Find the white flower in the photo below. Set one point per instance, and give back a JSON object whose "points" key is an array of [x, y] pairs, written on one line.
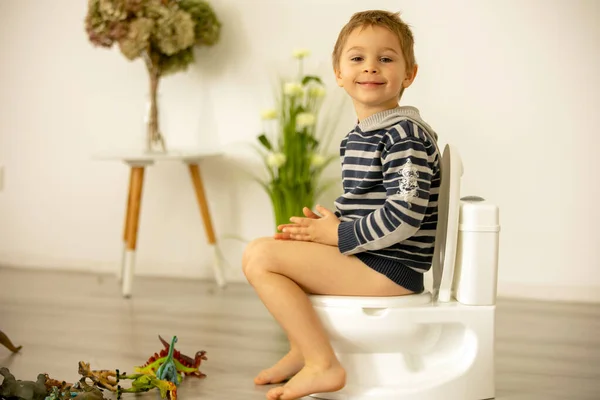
{"points": [[276, 160], [267, 114], [317, 160], [293, 89], [301, 53], [305, 119], [316, 91]]}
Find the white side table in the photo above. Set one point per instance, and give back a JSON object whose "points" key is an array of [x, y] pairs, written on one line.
{"points": [[137, 163]]}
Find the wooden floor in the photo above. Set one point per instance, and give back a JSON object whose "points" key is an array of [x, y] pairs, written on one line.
{"points": [[546, 351]]}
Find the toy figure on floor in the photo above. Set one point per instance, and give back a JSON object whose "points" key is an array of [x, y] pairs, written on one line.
{"points": [[7, 343], [45, 388], [163, 371], [79, 391], [144, 382], [13, 389], [111, 379], [167, 370], [183, 363]]}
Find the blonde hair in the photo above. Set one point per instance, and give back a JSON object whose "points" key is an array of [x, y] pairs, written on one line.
{"points": [[384, 19]]}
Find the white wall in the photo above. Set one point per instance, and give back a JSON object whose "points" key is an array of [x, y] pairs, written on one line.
{"points": [[514, 84]]}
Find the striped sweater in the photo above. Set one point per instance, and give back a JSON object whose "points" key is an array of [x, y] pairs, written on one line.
{"points": [[391, 179]]}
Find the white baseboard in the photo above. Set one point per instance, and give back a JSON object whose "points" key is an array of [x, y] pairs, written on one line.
{"points": [[580, 294], [103, 267], [584, 294]]}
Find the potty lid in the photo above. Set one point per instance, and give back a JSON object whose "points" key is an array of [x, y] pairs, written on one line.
{"points": [[447, 229]]}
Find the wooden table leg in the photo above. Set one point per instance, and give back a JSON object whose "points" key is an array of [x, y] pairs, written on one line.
{"points": [[137, 177], [208, 227], [126, 227]]}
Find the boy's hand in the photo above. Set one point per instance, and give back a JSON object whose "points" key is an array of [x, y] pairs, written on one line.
{"points": [[313, 228], [285, 235]]}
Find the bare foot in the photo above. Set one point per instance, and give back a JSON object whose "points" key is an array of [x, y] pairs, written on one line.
{"points": [[285, 368], [310, 380]]}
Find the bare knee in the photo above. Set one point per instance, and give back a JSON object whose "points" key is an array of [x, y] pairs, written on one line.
{"points": [[254, 249], [255, 259]]}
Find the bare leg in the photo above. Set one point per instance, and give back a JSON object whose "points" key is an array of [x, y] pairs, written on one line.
{"points": [[284, 369], [282, 273]]}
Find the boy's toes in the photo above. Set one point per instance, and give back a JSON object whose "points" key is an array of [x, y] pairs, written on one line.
{"points": [[262, 378], [275, 393]]}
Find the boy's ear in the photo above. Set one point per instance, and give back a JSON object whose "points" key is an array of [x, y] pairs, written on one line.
{"points": [[338, 76], [410, 76]]}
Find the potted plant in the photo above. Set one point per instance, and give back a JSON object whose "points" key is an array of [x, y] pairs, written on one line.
{"points": [[161, 32], [294, 145]]}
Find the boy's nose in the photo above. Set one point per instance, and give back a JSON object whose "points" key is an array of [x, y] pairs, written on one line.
{"points": [[370, 70]]}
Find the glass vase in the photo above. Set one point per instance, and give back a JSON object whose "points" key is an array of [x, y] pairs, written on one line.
{"points": [[154, 141]]}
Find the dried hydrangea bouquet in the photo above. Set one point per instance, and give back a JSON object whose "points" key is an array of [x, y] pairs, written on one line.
{"points": [[161, 32]]}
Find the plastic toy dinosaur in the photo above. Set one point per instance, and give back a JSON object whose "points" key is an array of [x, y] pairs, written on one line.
{"points": [[105, 379], [144, 383], [5, 341], [56, 394], [112, 380], [186, 360], [52, 383], [57, 390], [184, 364], [79, 391], [82, 391], [190, 363], [13, 389], [168, 370]]}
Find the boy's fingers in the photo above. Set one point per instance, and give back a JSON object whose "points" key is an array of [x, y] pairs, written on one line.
{"points": [[282, 236], [309, 213], [293, 229], [323, 210], [300, 221], [280, 227], [300, 236]]}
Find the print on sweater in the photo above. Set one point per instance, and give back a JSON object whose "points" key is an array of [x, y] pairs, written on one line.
{"points": [[408, 186]]}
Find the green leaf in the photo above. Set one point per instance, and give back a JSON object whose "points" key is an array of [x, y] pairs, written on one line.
{"points": [[263, 157], [263, 184], [309, 78], [312, 142], [265, 142]]}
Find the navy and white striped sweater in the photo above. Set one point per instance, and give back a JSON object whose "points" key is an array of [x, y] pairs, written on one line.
{"points": [[391, 179]]}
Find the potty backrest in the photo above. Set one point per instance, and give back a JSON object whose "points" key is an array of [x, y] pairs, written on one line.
{"points": [[446, 237]]}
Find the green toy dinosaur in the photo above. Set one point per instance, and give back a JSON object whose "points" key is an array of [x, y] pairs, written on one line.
{"points": [[168, 370], [144, 383], [152, 368], [184, 364], [168, 367]]}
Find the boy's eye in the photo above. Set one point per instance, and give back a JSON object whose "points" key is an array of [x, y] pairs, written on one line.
{"points": [[356, 58], [386, 59]]}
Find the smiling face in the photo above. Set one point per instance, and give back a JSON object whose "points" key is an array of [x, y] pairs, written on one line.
{"points": [[372, 70]]}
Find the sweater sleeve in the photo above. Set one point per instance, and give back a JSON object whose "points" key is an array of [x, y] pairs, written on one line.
{"points": [[407, 181], [343, 144]]}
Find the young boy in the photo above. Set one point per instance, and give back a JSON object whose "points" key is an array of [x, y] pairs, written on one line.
{"points": [[380, 239]]}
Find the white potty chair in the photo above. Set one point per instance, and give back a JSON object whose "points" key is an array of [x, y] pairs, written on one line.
{"points": [[437, 345]]}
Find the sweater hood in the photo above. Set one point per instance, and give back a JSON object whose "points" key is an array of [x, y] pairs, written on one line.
{"points": [[387, 118]]}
